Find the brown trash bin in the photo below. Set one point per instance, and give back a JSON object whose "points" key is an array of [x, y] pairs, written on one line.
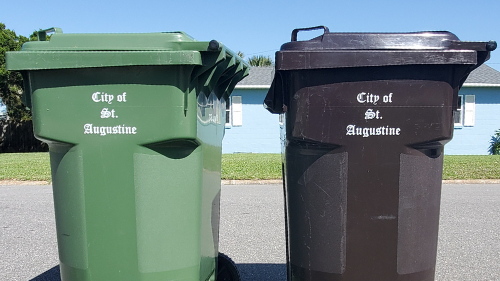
{"points": [[366, 118]]}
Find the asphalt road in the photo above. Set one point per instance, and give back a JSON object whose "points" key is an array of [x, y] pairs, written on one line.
{"points": [[252, 232]]}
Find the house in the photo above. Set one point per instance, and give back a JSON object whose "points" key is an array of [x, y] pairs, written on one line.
{"points": [[251, 128], [479, 115]]}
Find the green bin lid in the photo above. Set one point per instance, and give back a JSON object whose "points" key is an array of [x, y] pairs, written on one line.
{"points": [[112, 49]]}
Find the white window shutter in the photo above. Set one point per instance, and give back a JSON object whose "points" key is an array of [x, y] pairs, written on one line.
{"points": [[469, 110], [237, 109]]}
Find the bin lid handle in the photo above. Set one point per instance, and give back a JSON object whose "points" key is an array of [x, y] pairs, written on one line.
{"points": [[42, 34], [476, 46], [295, 31]]}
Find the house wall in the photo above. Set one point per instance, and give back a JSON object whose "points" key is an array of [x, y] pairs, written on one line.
{"points": [[475, 140], [259, 132]]}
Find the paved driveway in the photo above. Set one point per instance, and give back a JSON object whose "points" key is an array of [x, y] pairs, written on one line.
{"points": [[252, 232]]}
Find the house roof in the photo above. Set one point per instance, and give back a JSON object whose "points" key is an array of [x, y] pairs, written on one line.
{"points": [[261, 78], [483, 76], [258, 78]]}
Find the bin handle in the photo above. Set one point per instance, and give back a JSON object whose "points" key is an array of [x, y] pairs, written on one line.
{"points": [[476, 46], [295, 31], [42, 34], [491, 46]]}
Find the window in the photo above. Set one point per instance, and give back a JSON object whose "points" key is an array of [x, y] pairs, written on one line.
{"points": [[282, 119], [234, 107], [228, 112], [469, 110], [465, 115], [458, 114], [236, 110]]}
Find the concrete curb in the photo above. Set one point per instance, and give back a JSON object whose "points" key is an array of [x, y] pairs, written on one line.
{"points": [[492, 181], [18, 182], [255, 182]]}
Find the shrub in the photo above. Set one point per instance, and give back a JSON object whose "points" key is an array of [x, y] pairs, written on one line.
{"points": [[495, 143]]}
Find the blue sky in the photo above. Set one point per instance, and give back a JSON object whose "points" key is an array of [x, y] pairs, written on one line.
{"points": [[258, 27]]}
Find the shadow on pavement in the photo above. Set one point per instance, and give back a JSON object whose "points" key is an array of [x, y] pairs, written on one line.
{"points": [[49, 275], [262, 271], [248, 272]]}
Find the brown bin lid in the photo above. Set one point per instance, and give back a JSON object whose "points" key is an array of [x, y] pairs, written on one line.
{"points": [[334, 49], [350, 50]]}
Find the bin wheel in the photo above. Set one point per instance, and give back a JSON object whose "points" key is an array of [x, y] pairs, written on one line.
{"points": [[226, 269]]}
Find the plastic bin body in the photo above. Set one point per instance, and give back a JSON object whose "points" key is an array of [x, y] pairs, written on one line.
{"points": [[135, 152], [364, 134]]}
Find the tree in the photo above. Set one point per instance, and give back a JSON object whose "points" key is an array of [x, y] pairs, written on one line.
{"points": [[11, 83], [260, 61]]}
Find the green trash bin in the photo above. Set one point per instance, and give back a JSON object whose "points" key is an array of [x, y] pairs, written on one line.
{"points": [[135, 124]]}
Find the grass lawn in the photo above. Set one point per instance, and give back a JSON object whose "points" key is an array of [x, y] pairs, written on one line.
{"points": [[471, 167], [251, 166], [25, 166], [36, 167]]}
